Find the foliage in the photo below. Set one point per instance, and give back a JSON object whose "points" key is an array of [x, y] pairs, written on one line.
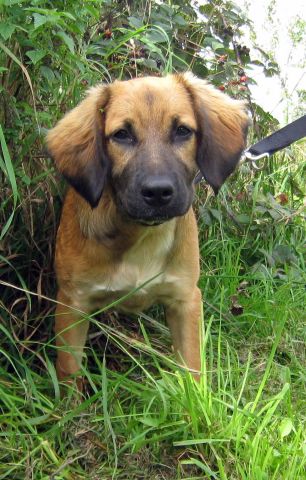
{"points": [[142, 418], [52, 51]]}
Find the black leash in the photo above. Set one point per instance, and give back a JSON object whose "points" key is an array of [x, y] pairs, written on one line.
{"points": [[277, 141], [273, 143]]}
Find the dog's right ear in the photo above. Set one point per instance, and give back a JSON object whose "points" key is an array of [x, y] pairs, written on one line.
{"points": [[77, 145]]}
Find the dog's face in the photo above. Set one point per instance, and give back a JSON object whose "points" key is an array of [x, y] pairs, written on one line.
{"points": [[150, 132], [146, 138]]}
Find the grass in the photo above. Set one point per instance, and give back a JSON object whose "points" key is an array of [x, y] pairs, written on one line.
{"points": [[141, 416]]}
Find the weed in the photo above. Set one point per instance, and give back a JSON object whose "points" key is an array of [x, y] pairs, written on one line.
{"points": [[141, 416]]}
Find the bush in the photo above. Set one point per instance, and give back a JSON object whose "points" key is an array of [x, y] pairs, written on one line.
{"points": [[245, 420]]}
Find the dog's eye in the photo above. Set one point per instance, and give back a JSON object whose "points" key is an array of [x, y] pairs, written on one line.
{"points": [[123, 136], [183, 132]]}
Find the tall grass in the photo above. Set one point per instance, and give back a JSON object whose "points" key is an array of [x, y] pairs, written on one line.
{"points": [[141, 416]]}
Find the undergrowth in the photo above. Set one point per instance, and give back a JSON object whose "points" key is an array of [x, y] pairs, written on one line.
{"points": [[141, 416]]}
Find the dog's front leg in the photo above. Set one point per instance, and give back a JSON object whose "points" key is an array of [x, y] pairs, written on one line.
{"points": [[71, 333], [184, 320]]}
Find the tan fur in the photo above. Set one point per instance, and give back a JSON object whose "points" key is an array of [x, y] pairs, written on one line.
{"points": [[77, 130], [100, 255]]}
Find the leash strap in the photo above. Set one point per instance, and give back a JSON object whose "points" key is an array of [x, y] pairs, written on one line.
{"points": [[273, 143], [280, 139]]}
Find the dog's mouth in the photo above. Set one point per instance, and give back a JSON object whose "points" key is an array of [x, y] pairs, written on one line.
{"points": [[148, 221], [152, 223], [146, 218]]}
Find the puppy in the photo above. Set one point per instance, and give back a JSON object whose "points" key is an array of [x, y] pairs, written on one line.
{"points": [[130, 152]]}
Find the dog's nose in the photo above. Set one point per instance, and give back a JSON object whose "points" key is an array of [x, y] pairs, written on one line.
{"points": [[157, 191]]}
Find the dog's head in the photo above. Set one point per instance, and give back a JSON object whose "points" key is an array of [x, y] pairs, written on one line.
{"points": [[146, 138]]}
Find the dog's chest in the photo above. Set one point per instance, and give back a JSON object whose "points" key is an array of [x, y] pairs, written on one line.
{"points": [[142, 271], [143, 263]]}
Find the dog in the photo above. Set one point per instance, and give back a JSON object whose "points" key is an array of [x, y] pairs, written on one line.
{"points": [[130, 152]]}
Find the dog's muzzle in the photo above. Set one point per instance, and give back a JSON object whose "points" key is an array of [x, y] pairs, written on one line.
{"points": [[157, 192], [153, 199]]}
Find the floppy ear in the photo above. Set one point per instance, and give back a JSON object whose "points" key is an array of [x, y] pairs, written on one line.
{"points": [[222, 128], [77, 145]]}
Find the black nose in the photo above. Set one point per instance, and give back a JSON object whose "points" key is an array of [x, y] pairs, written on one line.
{"points": [[157, 191]]}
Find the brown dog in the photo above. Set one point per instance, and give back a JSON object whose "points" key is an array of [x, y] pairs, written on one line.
{"points": [[131, 151]]}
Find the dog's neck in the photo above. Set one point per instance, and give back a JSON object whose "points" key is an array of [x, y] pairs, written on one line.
{"points": [[106, 225]]}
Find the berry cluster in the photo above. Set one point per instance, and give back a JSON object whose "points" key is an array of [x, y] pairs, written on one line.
{"points": [[240, 82]]}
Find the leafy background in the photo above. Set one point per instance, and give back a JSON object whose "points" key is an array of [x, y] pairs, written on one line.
{"points": [[140, 419]]}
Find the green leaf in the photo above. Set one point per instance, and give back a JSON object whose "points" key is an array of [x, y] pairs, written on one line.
{"points": [[206, 9], [260, 271], [259, 474], [166, 9], [216, 213], [9, 3], [257, 62], [135, 22], [268, 256], [153, 47], [39, 20], [275, 214], [15, 59], [208, 41], [202, 466], [150, 421], [7, 167], [179, 20], [283, 254], [94, 12], [200, 441], [26, 179], [51, 14], [243, 218], [216, 45], [156, 37], [36, 55], [67, 15], [205, 216], [261, 209], [285, 427], [229, 70], [47, 73], [67, 40], [147, 62], [6, 30]]}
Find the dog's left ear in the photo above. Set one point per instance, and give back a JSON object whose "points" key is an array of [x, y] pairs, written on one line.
{"points": [[76, 144], [222, 128]]}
